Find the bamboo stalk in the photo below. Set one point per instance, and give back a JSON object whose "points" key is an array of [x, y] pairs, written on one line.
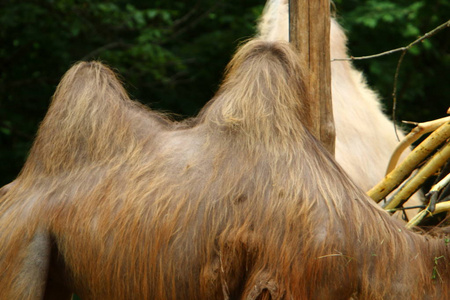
{"points": [[430, 168], [394, 178], [414, 135]]}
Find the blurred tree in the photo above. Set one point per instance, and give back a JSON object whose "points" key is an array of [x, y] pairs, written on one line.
{"points": [[172, 54]]}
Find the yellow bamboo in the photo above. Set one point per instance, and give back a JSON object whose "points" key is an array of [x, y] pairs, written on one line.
{"points": [[414, 135], [430, 168], [394, 178]]}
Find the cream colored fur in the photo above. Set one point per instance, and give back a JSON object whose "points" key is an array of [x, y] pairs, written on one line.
{"points": [[365, 137]]}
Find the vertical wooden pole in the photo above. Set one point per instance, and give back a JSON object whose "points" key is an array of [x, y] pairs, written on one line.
{"points": [[309, 32]]}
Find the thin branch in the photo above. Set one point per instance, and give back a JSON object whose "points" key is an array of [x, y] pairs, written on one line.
{"points": [[193, 23], [103, 48], [440, 207], [370, 56], [188, 15], [397, 70], [440, 185], [406, 48], [18, 132], [392, 210], [394, 93]]}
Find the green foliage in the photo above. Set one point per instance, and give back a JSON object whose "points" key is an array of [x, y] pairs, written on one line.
{"points": [[172, 54], [375, 26]]}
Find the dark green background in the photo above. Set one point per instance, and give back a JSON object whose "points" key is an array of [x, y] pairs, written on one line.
{"points": [[171, 54]]}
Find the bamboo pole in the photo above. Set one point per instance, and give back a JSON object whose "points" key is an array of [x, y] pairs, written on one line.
{"points": [[309, 33], [431, 167], [394, 178], [414, 135]]}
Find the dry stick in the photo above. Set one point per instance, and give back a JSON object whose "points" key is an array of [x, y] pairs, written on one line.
{"points": [[433, 194], [103, 48], [391, 181], [394, 178], [431, 167], [397, 70], [406, 48], [193, 22], [393, 210], [440, 207], [441, 184], [394, 93], [414, 135]]}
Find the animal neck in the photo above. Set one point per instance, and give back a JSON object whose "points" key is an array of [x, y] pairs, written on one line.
{"points": [[403, 264]]}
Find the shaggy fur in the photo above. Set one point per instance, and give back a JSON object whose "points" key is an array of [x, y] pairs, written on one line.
{"points": [[117, 202], [365, 137]]}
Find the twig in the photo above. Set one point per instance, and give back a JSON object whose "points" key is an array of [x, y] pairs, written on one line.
{"points": [[103, 48], [434, 192], [392, 210], [193, 23], [17, 132], [187, 16], [338, 254], [441, 184], [400, 61], [405, 48], [394, 92], [440, 207]]}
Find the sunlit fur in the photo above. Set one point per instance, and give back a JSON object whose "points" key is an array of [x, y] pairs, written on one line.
{"points": [[365, 137], [117, 202]]}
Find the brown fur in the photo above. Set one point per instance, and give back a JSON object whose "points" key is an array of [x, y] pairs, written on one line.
{"points": [[117, 202], [365, 137]]}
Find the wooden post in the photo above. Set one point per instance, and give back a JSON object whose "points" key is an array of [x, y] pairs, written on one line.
{"points": [[309, 32]]}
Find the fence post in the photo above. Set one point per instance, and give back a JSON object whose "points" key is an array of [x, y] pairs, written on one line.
{"points": [[309, 32]]}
